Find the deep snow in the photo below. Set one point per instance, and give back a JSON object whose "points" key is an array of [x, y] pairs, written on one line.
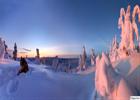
{"points": [[43, 84]]}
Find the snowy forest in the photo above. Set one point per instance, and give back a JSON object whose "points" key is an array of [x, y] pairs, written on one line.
{"points": [[111, 75]]}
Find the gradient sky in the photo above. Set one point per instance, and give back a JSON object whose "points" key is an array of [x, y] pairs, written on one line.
{"points": [[59, 27]]}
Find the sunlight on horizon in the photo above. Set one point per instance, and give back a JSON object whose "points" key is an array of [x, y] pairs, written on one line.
{"points": [[47, 52]]}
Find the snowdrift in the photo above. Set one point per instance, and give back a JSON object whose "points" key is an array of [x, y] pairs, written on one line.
{"points": [[42, 84], [129, 68], [119, 80]]}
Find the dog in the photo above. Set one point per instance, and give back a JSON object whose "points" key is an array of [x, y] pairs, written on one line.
{"points": [[23, 66]]}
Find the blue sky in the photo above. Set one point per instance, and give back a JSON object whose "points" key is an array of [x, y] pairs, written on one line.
{"points": [[61, 26]]}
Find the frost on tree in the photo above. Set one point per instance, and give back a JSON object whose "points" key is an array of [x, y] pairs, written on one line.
{"points": [[84, 57], [114, 50], [6, 55], [2, 49], [55, 63], [128, 27], [92, 57], [82, 60], [136, 11], [80, 63]]}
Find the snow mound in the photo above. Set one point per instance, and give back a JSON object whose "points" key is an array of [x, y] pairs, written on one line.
{"points": [[129, 68], [109, 84]]}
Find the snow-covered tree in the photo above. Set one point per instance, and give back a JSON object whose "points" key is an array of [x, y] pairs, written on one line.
{"points": [[55, 63], [5, 47], [37, 57], [84, 57], [6, 55], [37, 60], [80, 63], [128, 27], [135, 27], [92, 57], [114, 50], [15, 52], [82, 60], [2, 49], [37, 53]]}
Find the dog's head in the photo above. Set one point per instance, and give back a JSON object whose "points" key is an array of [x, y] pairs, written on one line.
{"points": [[22, 61]]}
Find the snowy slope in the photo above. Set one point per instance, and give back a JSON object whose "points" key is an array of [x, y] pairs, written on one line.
{"points": [[129, 68], [43, 84], [120, 81]]}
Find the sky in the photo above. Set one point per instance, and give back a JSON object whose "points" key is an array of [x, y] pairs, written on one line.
{"points": [[60, 27]]}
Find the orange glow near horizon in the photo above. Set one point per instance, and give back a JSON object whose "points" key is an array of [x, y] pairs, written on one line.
{"points": [[45, 53], [33, 54]]}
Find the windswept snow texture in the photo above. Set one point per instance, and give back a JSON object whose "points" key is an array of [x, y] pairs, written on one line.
{"points": [[43, 84], [129, 68], [109, 84]]}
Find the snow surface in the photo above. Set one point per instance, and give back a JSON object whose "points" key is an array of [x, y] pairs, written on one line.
{"points": [[113, 81], [118, 80], [129, 68], [43, 84], [109, 84]]}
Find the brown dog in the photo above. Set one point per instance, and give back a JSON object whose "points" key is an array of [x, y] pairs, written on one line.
{"points": [[24, 66]]}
